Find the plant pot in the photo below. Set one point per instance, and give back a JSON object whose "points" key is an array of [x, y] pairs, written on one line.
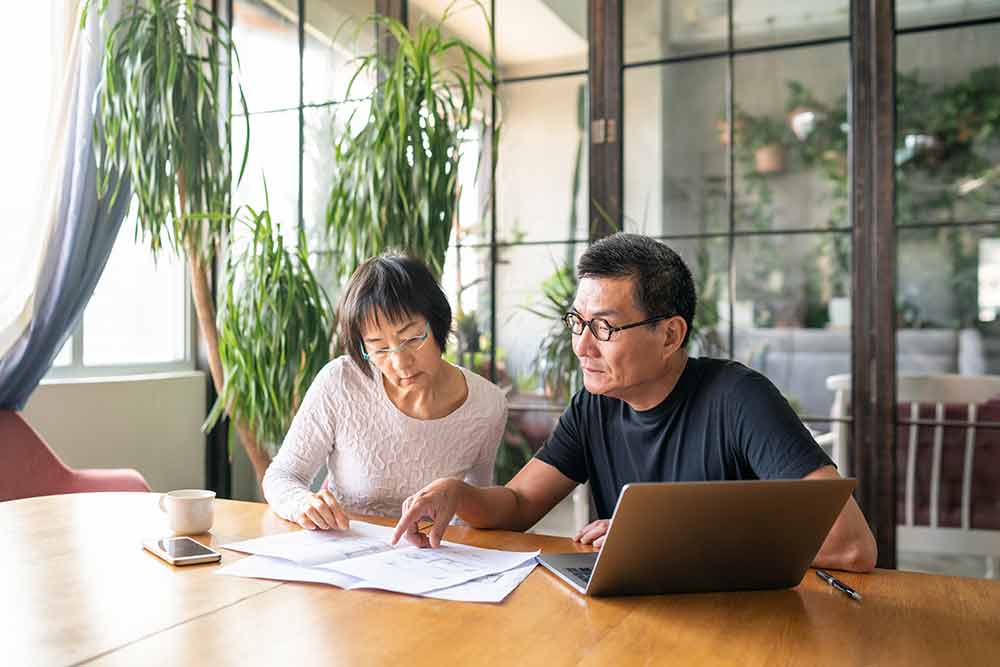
{"points": [[923, 148], [803, 120], [836, 162], [840, 312], [769, 159], [722, 126]]}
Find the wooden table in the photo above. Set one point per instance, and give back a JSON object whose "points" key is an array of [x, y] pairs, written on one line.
{"points": [[78, 588]]}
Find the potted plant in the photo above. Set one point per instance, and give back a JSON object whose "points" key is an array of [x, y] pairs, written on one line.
{"points": [[722, 127], [915, 105], [765, 138], [838, 245], [555, 363], [275, 331], [395, 180], [162, 123], [803, 111]]}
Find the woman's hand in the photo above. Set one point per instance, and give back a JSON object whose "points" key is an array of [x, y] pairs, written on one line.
{"points": [[436, 502], [593, 533], [322, 512]]}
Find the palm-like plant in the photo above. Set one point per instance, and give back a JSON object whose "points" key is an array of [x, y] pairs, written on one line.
{"points": [[162, 120], [555, 362], [275, 331], [395, 179]]}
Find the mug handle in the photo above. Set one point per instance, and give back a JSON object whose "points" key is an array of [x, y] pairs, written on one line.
{"points": [[163, 497]]}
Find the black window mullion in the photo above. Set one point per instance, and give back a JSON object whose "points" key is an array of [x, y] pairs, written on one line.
{"points": [[494, 145], [731, 172], [395, 9]]}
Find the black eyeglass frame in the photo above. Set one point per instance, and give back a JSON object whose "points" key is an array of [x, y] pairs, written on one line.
{"points": [[612, 330]]}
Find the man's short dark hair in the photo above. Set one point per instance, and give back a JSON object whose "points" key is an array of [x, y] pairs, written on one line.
{"points": [[663, 283], [396, 287]]}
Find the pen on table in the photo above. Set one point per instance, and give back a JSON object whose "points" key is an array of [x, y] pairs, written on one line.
{"points": [[838, 584]]}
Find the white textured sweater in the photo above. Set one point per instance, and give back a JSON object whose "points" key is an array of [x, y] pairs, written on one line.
{"points": [[377, 456]]}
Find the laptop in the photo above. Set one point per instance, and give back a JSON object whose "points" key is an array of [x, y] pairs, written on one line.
{"points": [[690, 537]]}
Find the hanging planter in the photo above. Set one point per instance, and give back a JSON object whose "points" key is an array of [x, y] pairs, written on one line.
{"points": [[769, 159], [803, 120], [804, 112], [921, 147], [722, 127]]}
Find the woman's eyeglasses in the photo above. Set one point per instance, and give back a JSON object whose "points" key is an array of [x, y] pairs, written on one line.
{"points": [[411, 345]]}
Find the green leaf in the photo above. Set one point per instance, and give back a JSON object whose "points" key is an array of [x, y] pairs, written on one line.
{"points": [[394, 186]]}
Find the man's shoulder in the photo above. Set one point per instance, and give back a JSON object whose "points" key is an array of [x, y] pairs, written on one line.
{"points": [[723, 375]]}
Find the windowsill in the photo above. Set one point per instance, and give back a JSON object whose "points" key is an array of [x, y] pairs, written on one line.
{"points": [[122, 377]]}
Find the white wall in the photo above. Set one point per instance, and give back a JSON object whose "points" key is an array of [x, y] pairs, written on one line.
{"points": [[151, 423]]}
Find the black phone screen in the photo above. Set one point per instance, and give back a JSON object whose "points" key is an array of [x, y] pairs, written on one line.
{"points": [[182, 547]]}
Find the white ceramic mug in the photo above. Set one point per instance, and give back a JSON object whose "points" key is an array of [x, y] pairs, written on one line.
{"points": [[189, 511]]}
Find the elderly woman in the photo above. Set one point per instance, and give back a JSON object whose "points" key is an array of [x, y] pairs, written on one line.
{"points": [[391, 417]]}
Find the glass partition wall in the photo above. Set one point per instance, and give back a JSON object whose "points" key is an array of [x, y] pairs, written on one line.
{"points": [[735, 137], [735, 154], [947, 161]]}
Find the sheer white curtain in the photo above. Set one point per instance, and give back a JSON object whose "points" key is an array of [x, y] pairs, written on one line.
{"points": [[38, 40]]}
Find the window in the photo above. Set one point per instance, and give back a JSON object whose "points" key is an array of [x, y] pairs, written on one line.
{"points": [[139, 318]]}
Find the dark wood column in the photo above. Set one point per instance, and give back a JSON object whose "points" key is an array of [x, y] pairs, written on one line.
{"points": [[873, 388], [396, 9], [605, 29]]}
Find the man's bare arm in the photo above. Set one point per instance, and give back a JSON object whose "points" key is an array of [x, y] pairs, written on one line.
{"points": [[850, 544], [535, 490]]}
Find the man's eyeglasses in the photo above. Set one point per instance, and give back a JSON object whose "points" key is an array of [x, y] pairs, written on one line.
{"points": [[406, 345], [600, 327]]}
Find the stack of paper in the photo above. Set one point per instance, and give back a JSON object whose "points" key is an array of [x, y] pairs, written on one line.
{"points": [[363, 558]]}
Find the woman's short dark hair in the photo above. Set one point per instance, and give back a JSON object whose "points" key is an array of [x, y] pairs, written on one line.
{"points": [[396, 287], [663, 283]]}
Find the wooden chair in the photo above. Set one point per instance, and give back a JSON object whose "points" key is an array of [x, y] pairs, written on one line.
{"points": [[31, 468], [948, 462]]}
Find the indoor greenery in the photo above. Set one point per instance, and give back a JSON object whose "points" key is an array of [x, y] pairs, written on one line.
{"points": [[395, 180], [162, 120], [555, 363], [275, 330], [755, 210], [947, 147]]}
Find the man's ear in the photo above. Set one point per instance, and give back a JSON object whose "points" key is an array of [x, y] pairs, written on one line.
{"points": [[676, 329]]}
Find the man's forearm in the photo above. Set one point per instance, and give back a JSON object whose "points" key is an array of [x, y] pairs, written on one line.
{"points": [[488, 507]]}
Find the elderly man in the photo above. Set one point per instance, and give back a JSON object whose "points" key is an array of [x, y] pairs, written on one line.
{"points": [[647, 413]]}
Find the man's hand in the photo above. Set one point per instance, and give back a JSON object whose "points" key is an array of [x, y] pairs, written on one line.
{"points": [[323, 512], [436, 502], [593, 533]]}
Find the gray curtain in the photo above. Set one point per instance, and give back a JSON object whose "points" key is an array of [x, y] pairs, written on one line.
{"points": [[83, 233]]}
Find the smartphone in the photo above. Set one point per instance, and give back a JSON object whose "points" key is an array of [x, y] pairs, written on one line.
{"points": [[181, 551]]}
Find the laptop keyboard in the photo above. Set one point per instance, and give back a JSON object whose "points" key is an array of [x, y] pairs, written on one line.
{"points": [[581, 573]]}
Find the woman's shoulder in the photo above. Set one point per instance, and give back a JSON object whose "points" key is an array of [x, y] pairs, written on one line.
{"points": [[484, 393], [343, 373]]}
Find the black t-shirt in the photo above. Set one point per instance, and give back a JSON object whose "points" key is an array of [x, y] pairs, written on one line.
{"points": [[722, 421]]}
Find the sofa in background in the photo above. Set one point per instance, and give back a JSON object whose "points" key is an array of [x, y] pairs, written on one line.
{"points": [[799, 361]]}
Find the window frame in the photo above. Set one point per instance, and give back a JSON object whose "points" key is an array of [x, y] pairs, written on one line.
{"points": [[76, 369]]}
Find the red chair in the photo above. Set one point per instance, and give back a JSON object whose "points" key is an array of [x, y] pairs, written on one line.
{"points": [[30, 467]]}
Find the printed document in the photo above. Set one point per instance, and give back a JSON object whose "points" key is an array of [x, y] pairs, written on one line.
{"points": [[362, 557], [491, 588]]}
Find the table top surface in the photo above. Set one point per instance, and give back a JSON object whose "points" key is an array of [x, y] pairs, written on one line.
{"points": [[78, 587]]}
